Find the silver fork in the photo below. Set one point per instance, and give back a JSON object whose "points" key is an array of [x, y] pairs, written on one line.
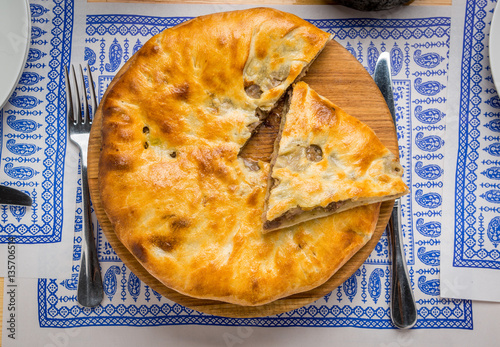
{"points": [[90, 291]]}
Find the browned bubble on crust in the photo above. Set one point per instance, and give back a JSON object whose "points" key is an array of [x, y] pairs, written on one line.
{"points": [[139, 252]]}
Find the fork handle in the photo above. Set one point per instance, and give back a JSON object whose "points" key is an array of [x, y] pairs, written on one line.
{"points": [[90, 290], [403, 308]]}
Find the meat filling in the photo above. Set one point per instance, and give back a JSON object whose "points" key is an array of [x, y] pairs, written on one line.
{"points": [[294, 212]]}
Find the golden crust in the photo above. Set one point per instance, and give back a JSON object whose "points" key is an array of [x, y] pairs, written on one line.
{"points": [[172, 185], [326, 156]]}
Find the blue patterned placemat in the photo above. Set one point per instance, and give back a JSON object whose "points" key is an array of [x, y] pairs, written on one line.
{"points": [[419, 50], [473, 216], [33, 146], [34, 156], [477, 223]]}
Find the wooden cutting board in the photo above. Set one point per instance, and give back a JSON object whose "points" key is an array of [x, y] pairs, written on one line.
{"points": [[337, 75]]}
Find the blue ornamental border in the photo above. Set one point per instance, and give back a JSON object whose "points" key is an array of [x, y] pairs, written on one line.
{"points": [[50, 229], [468, 142], [146, 25], [174, 314]]}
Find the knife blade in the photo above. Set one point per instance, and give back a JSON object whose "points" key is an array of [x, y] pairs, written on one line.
{"points": [[11, 196], [403, 308]]}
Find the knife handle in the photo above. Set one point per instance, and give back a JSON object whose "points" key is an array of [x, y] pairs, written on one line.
{"points": [[403, 308]]}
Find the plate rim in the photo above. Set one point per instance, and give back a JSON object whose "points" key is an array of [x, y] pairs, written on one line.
{"points": [[15, 82], [494, 54]]}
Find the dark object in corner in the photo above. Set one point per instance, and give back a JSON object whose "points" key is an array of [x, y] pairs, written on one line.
{"points": [[372, 5]]}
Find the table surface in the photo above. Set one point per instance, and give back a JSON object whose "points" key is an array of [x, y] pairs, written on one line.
{"points": [[256, 2]]}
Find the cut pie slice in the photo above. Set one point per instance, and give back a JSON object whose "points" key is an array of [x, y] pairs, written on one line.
{"points": [[326, 161]]}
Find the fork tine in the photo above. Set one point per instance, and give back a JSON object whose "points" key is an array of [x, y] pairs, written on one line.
{"points": [[93, 96], [69, 97], [78, 112], [86, 115]]}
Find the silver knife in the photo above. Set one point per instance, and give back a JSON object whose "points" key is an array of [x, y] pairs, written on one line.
{"points": [[11, 196], [403, 308]]}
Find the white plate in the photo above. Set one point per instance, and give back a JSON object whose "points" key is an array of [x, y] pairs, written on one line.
{"points": [[495, 47], [15, 31]]}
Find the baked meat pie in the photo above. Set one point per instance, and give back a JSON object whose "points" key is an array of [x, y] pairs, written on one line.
{"points": [[172, 183]]}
